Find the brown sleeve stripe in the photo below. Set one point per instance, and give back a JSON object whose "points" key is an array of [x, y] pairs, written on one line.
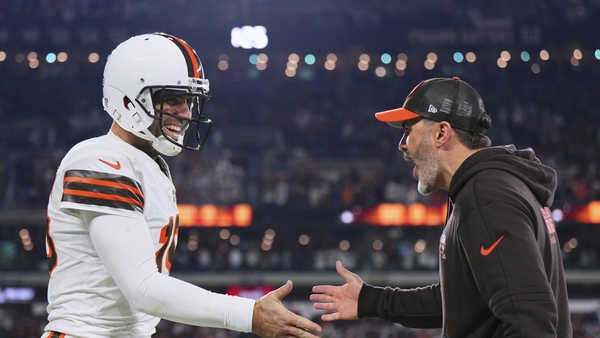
{"points": [[135, 190], [98, 188]]}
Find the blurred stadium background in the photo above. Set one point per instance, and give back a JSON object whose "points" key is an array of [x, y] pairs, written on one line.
{"points": [[297, 173]]}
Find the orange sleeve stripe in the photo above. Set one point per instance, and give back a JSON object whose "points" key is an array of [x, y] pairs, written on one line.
{"points": [[104, 183], [192, 56], [102, 196]]}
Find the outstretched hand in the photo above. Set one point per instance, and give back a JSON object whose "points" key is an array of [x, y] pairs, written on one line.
{"points": [[342, 300], [272, 320]]}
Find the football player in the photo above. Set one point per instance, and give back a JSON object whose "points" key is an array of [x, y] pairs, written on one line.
{"points": [[113, 217]]}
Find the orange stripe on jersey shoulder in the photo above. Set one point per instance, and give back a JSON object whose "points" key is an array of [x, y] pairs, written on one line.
{"points": [[102, 196]]}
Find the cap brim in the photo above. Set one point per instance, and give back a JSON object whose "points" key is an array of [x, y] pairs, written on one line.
{"points": [[396, 115]]}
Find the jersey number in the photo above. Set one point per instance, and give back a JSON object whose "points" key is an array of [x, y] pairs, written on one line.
{"points": [[168, 239], [50, 250]]}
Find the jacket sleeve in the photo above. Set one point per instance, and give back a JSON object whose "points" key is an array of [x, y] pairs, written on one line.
{"points": [[499, 240], [417, 308]]}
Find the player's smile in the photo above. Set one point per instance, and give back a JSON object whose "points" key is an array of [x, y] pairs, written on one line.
{"points": [[172, 129], [178, 106]]}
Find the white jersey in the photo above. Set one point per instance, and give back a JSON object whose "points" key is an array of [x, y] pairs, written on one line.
{"points": [[106, 175]]}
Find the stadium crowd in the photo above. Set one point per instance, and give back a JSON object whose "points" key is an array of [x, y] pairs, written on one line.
{"points": [[309, 141], [293, 143]]}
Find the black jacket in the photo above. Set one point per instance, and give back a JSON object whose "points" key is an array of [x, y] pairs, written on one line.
{"points": [[501, 273]]}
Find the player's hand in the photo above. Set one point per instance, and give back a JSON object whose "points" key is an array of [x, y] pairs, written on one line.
{"points": [[342, 301], [272, 320]]}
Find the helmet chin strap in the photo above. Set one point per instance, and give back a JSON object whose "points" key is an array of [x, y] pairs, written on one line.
{"points": [[163, 146]]}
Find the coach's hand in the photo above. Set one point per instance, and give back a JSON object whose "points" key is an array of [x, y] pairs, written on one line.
{"points": [[342, 300], [272, 320]]}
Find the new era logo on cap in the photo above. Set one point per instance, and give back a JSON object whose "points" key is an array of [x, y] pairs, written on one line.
{"points": [[461, 104]]}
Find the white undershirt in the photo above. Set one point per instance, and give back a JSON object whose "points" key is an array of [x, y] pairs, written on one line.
{"points": [[125, 247]]}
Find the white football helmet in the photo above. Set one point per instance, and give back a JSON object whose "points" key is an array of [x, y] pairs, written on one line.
{"points": [[143, 70]]}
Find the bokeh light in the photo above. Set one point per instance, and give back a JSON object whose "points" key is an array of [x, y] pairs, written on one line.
{"points": [[458, 57], [62, 57], [310, 59], [432, 57], [294, 58], [471, 57], [377, 245], [51, 58], [429, 65], [93, 57], [401, 65], [303, 239], [223, 65], [253, 59], [344, 245], [386, 58]]}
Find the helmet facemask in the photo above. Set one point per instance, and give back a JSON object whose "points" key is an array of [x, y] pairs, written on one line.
{"points": [[172, 129]]}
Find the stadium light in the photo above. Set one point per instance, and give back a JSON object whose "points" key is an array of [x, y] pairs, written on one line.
{"points": [[253, 59], [458, 57], [432, 57], [471, 57], [310, 59], [347, 217], [51, 58], [386, 58], [249, 37]]}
